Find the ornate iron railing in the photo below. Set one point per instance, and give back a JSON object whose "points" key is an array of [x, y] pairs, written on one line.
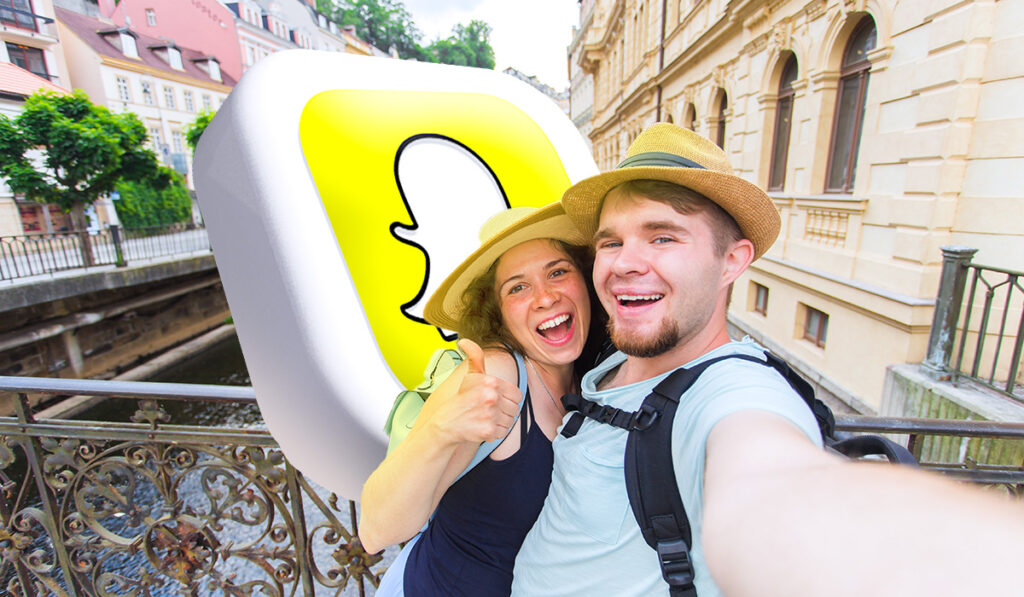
{"points": [[151, 508], [981, 329], [42, 253]]}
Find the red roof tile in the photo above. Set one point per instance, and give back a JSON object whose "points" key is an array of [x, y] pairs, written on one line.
{"points": [[18, 81], [88, 29]]}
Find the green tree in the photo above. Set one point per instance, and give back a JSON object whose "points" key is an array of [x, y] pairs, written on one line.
{"points": [[143, 205], [198, 126], [383, 23], [468, 45], [62, 149], [387, 23]]}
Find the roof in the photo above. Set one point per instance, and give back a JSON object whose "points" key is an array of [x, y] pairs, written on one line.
{"points": [[89, 29], [15, 80]]}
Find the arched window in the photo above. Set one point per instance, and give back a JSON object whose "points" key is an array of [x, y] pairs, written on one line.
{"points": [[853, 89], [783, 125], [723, 105], [690, 117]]}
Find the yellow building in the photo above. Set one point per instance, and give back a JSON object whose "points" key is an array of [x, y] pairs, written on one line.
{"points": [[883, 129]]}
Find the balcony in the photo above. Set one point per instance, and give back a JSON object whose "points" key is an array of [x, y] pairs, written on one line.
{"points": [[22, 26]]}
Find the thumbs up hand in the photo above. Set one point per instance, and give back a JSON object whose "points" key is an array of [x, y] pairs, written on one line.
{"points": [[483, 408]]}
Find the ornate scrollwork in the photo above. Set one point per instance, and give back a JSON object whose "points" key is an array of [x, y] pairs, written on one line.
{"points": [[147, 517]]}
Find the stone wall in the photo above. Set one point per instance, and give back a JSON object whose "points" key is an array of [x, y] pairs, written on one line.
{"points": [[909, 393], [97, 334]]}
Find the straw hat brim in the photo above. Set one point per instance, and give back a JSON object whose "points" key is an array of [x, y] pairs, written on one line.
{"points": [[752, 208], [446, 306]]}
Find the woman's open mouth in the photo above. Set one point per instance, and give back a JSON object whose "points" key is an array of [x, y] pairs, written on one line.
{"points": [[556, 330]]}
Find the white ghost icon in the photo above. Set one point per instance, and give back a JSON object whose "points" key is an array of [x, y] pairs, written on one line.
{"points": [[449, 192]]}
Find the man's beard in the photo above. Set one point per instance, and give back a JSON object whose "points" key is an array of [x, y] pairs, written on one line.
{"points": [[634, 345]]}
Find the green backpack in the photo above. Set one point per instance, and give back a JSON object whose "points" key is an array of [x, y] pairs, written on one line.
{"points": [[408, 403]]}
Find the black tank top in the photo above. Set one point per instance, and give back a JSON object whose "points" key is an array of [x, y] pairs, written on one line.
{"points": [[470, 546]]}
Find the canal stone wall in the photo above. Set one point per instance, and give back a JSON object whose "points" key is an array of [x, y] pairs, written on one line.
{"points": [[911, 393], [97, 324]]}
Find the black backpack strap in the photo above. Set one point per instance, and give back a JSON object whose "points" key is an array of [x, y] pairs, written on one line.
{"points": [[648, 463]]}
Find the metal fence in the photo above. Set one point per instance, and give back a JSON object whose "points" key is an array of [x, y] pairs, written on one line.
{"points": [[978, 328], [47, 253], [149, 507]]}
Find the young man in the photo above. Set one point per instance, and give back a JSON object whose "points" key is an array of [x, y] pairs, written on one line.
{"points": [[770, 512]]}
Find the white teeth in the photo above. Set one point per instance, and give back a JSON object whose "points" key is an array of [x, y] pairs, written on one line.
{"points": [[553, 322], [639, 297]]}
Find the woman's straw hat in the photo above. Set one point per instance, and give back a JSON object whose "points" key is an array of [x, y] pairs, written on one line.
{"points": [[503, 231], [669, 153]]}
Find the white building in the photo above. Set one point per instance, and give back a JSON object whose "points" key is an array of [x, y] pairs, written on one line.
{"points": [[165, 85]]}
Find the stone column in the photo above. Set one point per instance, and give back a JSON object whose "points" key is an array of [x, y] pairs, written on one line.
{"points": [[947, 310]]}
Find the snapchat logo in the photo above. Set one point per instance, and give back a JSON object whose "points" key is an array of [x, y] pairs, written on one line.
{"points": [[431, 172], [474, 193], [339, 191]]}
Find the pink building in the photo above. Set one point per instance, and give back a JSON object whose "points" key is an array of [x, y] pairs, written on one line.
{"points": [[204, 25]]}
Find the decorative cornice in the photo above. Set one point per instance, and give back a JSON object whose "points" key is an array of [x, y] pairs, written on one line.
{"points": [[142, 69]]}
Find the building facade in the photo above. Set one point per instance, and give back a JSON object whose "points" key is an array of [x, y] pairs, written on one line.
{"points": [[31, 60], [883, 130], [204, 25], [581, 81], [164, 84]]}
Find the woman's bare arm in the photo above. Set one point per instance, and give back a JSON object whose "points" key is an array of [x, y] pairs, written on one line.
{"points": [[468, 408]]}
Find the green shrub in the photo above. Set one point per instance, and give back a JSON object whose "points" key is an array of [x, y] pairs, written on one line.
{"points": [[142, 205]]}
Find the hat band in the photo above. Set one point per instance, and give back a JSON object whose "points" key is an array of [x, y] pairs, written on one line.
{"points": [[658, 158]]}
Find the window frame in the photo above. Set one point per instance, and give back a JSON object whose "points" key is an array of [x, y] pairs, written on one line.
{"points": [[723, 106], [123, 88], [782, 136], [24, 52], [170, 98], [147, 93], [18, 20], [820, 335], [760, 306], [851, 73]]}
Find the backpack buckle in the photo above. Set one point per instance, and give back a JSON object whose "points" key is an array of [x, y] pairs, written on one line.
{"points": [[644, 418], [676, 568]]}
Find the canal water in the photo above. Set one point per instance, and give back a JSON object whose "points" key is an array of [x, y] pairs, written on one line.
{"points": [[221, 364]]}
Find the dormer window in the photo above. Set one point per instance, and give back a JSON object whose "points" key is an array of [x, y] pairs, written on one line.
{"points": [[170, 54], [174, 58], [210, 66], [128, 46], [123, 39]]}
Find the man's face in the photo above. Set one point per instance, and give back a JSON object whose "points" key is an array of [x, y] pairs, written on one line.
{"points": [[656, 273]]}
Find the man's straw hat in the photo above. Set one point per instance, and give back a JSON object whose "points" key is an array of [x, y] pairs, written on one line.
{"points": [[669, 153], [503, 231]]}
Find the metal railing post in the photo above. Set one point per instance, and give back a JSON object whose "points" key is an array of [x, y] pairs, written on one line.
{"points": [[51, 523], [299, 524], [947, 310], [115, 235]]}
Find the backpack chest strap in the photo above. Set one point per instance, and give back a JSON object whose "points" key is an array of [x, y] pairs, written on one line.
{"points": [[648, 464]]}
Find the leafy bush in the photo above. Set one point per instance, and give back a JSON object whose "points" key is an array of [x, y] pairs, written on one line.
{"points": [[143, 205]]}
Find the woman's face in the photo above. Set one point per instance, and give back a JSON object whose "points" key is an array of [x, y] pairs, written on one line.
{"points": [[544, 301]]}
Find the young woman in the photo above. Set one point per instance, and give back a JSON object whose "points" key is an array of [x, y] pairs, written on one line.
{"points": [[522, 296]]}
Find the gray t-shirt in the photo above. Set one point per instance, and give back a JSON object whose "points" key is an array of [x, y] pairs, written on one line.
{"points": [[586, 541]]}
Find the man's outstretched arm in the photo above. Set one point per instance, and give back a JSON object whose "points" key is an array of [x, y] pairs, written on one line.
{"points": [[783, 518]]}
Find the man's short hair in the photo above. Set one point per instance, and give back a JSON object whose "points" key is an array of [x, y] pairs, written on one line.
{"points": [[724, 228]]}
